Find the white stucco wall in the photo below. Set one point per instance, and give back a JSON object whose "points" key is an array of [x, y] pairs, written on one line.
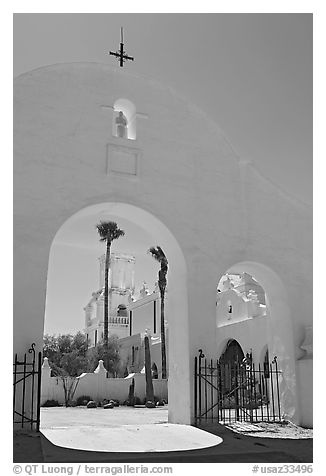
{"points": [[305, 391], [98, 387], [207, 209], [143, 316]]}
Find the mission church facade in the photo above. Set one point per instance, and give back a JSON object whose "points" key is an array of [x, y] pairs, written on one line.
{"points": [[131, 315], [239, 248], [239, 299]]}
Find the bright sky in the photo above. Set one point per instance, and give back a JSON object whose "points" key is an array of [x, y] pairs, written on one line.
{"points": [[252, 73], [74, 270]]}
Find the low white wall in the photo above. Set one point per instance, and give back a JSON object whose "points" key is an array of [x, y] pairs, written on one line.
{"points": [[305, 384], [98, 387]]}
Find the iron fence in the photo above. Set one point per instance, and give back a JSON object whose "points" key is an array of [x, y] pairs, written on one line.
{"points": [[228, 392], [27, 390]]}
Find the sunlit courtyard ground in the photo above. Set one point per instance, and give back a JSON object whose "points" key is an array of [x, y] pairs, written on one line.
{"points": [[62, 417], [120, 429]]}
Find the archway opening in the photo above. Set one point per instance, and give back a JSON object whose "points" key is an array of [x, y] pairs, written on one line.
{"points": [[260, 320], [176, 302]]}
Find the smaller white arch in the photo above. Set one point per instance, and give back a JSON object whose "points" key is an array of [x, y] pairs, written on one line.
{"points": [[128, 110], [279, 331]]}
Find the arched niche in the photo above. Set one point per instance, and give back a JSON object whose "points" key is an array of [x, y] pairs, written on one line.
{"points": [[124, 108]]}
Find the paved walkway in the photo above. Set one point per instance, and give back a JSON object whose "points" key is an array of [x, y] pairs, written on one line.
{"points": [[235, 448], [99, 417]]}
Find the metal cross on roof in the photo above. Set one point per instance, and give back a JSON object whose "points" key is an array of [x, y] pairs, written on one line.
{"points": [[121, 54]]}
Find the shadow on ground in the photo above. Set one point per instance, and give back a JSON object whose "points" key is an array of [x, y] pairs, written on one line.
{"points": [[235, 448]]}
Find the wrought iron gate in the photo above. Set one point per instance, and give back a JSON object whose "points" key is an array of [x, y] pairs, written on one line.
{"points": [[27, 390], [228, 392]]}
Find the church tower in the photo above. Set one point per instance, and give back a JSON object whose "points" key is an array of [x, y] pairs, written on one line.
{"points": [[121, 288]]}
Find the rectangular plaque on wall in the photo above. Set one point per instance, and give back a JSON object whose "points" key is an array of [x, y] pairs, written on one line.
{"points": [[122, 160]]}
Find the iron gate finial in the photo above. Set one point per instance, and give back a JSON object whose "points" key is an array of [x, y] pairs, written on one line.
{"points": [[201, 355]]}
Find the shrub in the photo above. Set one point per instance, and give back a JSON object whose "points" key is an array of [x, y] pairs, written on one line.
{"points": [[83, 400], [51, 403], [115, 402], [109, 405], [150, 404], [91, 404]]}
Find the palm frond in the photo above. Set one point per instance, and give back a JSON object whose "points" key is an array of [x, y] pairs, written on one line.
{"points": [[109, 231], [155, 254], [158, 254], [162, 254]]}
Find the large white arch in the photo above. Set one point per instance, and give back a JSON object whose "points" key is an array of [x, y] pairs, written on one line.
{"points": [[177, 302], [181, 169]]}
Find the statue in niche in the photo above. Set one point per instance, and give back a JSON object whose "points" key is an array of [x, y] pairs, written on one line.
{"points": [[121, 122]]}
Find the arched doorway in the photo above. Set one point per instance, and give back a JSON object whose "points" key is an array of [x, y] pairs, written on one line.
{"points": [[230, 362], [233, 353], [154, 371]]}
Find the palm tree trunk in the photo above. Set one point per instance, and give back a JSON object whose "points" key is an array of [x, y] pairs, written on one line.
{"points": [[106, 303], [163, 349]]}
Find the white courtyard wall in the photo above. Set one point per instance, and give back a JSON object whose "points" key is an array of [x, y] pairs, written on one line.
{"points": [[180, 178], [98, 387]]}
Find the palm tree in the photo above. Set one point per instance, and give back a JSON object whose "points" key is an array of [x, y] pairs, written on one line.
{"points": [[108, 231], [158, 255]]}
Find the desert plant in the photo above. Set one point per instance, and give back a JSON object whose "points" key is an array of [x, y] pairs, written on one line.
{"points": [[83, 400], [91, 404], [131, 396], [70, 385], [148, 372], [51, 403]]}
